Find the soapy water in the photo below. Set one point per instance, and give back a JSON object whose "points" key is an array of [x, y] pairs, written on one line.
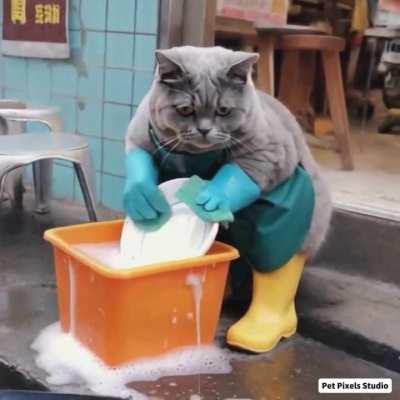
{"points": [[67, 362], [196, 281], [107, 254]]}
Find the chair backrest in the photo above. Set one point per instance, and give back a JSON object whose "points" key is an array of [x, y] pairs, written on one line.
{"points": [[7, 126], [8, 103]]}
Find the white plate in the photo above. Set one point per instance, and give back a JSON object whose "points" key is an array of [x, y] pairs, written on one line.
{"points": [[185, 235]]}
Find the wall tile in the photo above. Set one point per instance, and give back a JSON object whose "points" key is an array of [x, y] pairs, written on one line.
{"points": [[13, 94], [119, 50], [121, 15], [64, 78], [147, 16], [1, 69], [93, 48], [142, 84], [108, 71], [90, 83], [39, 98], [116, 120], [36, 127], [94, 14], [68, 111], [145, 47], [95, 145], [118, 86], [39, 78], [113, 157], [75, 40], [90, 117], [15, 70], [28, 176], [63, 182], [78, 192], [112, 191], [74, 18], [62, 162]]}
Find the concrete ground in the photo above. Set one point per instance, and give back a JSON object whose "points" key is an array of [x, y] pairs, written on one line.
{"points": [[28, 304]]}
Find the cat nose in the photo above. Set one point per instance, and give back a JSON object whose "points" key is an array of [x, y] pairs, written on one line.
{"points": [[204, 131]]}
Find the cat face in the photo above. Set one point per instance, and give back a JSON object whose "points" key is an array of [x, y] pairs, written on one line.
{"points": [[201, 97]]}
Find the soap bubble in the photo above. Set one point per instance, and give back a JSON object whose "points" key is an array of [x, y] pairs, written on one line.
{"points": [[67, 361]]}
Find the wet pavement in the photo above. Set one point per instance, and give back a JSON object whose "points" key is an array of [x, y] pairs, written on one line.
{"points": [[28, 303]]}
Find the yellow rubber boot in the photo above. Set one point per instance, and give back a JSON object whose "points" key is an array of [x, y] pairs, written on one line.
{"points": [[272, 313]]}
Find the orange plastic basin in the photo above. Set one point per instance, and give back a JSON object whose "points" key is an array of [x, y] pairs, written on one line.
{"points": [[122, 315]]}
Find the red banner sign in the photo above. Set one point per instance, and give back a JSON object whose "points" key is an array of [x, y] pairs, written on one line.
{"points": [[35, 28]]}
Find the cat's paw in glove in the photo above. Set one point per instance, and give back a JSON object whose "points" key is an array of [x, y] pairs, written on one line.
{"points": [[231, 189], [143, 200], [212, 198]]}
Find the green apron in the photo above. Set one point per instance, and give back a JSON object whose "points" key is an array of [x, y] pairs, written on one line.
{"points": [[269, 231]]}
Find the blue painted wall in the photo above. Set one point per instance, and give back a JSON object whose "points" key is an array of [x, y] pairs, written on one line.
{"points": [[98, 89]]}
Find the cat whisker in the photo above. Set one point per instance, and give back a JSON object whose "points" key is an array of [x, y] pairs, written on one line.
{"points": [[228, 148], [163, 145], [222, 135], [224, 139], [169, 151], [188, 136]]}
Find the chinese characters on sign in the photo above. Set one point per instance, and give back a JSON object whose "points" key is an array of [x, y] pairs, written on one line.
{"points": [[47, 14], [18, 11], [35, 28]]}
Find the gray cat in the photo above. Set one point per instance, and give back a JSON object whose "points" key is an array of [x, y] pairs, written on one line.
{"points": [[203, 116], [261, 134]]}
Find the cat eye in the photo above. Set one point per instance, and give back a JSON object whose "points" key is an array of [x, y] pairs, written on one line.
{"points": [[185, 111], [223, 111]]}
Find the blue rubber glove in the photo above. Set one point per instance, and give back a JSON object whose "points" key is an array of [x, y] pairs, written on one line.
{"points": [[143, 200], [230, 189]]}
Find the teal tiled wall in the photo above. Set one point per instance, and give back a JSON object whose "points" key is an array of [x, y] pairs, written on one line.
{"points": [[98, 89]]}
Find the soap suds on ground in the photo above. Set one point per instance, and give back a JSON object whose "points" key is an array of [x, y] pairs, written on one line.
{"points": [[67, 362]]}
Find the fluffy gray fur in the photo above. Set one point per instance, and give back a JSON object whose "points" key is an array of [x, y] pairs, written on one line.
{"points": [[204, 99]]}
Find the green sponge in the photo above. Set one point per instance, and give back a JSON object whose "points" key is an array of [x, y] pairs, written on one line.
{"points": [[188, 193]]}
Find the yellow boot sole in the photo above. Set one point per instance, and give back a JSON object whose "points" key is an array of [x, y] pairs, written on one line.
{"points": [[260, 350]]}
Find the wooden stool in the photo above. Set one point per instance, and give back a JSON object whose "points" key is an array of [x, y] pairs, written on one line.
{"points": [[268, 36], [297, 78]]}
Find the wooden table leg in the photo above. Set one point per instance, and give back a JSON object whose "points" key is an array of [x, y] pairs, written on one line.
{"points": [[265, 69], [305, 110], [289, 79], [337, 105], [296, 84]]}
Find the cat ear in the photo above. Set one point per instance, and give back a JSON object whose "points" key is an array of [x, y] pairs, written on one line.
{"points": [[169, 70], [241, 67]]}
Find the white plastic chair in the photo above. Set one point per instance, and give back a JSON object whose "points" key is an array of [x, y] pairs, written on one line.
{"points": [[19, 150], [15, 115]]}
